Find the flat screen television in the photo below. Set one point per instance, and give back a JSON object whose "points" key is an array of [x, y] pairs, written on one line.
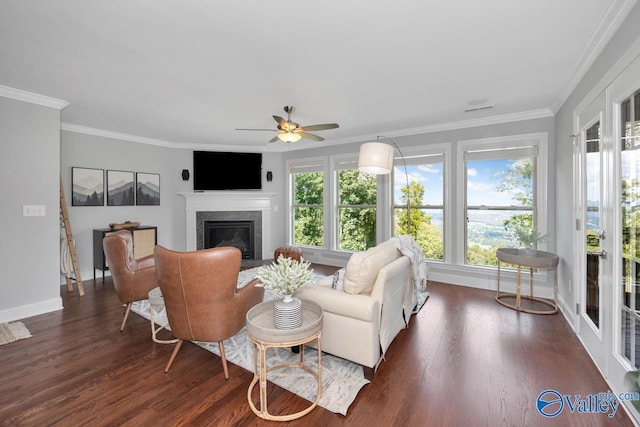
{"points": [[216, 170]]}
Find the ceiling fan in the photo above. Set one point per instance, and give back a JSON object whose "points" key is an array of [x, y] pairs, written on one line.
{"points": [[289, 131]]}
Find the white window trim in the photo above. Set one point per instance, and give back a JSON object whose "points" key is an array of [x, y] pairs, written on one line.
{"points": [[539, 139], [441, 149], [332, 186], [311, 162]]}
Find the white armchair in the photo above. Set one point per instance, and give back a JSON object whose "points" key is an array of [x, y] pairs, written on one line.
{"points": [[361, 322]]}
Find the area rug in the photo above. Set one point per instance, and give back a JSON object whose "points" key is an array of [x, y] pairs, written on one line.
{"points": [[10, 332], [341, 379]]}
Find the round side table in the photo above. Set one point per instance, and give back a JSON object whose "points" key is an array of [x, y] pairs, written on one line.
{"points": [[156, 302], [263, 334], [541, 259]]}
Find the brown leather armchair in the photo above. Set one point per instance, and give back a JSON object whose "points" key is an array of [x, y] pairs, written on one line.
{"points": [[132, 279], [201, 296]]}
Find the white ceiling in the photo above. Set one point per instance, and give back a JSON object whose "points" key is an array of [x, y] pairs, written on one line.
{"points": [[190, 72]]}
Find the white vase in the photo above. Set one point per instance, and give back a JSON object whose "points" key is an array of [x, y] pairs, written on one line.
{"points": [[528, 251], [287, 312]]}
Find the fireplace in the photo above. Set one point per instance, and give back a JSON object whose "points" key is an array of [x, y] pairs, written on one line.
{"points": [[240, 234], [242, 229], [253, 206]]}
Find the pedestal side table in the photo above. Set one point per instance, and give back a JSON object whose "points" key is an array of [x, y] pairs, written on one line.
{"points": [[263, 334], [538, 260], [156, 302]]}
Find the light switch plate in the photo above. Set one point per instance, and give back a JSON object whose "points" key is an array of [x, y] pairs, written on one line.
{"points": [[33, 210]]}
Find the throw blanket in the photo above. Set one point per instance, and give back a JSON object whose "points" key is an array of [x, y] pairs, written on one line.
{"points": [[410, 248]]}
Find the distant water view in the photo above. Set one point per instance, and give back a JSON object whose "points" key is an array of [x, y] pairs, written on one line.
{"points": [[486, 228]]}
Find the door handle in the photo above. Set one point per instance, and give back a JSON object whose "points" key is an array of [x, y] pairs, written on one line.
{"points": [[602, 254]]}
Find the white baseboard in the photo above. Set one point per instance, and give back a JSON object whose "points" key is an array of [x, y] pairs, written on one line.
{"points": [[487, 278], [29, 310]]}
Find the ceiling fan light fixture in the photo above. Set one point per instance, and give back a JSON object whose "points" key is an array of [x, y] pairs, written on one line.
{"points": [[289, 137]]}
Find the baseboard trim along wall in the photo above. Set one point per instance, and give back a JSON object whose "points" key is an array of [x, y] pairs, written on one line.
{"points": [[29, 310]]}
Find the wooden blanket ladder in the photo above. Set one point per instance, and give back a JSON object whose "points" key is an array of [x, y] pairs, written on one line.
{"points": [[72, 245]]}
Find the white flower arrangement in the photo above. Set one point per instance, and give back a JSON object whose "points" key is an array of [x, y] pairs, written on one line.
{"points": [[285, 276]]}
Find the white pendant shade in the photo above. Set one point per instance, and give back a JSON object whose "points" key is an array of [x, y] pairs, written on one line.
{"points": [[376, 158]]}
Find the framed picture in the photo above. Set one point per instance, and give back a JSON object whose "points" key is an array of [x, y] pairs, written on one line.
{"points": [[147, 189], [88, 187], [120, 189]]}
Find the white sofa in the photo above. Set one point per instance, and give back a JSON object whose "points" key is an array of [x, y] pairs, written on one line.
{"points": [[361, 321]]}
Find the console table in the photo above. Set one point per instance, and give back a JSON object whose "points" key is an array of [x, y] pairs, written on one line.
{"points": [[537, 260], [145, 238], [263, 334]]}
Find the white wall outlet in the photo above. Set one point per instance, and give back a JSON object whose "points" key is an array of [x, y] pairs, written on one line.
{"points": [[33, 210]]}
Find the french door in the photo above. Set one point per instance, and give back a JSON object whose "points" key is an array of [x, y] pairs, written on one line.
{"points": [[607, 238], [591, 195], [624, 98]]}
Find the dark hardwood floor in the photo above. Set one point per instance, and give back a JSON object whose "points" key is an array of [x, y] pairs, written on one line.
{"points": [[464, 361]]}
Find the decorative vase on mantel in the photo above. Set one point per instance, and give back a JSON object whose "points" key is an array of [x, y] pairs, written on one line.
{"points": [[287, 312]]}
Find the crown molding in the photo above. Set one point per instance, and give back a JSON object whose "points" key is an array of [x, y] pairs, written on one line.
{"points": [[610, 23], [69, 127], [462, 124], [470, 123], [32, 98], [440, 127]]}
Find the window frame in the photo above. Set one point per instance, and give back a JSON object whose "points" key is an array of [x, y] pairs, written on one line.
{"points": [[437, 153], [541, 190], [344, 162], [311, 164]]}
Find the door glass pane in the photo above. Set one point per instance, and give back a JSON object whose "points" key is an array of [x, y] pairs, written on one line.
{"points": [[593, 222], [630, 205]]}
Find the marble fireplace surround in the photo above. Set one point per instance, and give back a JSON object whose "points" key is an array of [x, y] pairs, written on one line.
{"points": [[229, 205]]}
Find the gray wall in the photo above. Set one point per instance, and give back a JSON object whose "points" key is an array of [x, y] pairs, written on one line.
{"points": [[29, 172], [89, 151], [628, 33]]}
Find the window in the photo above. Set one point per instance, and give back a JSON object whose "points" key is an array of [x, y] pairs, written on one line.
{"points": [[307, 204], [423, 186], [501, 181], [355, 207]]}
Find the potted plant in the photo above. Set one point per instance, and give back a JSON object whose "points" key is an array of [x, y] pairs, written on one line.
{"points": [[284, 276], [527, 236]]}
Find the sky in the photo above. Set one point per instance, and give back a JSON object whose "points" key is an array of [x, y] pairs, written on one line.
{"points": [[482, 176]]}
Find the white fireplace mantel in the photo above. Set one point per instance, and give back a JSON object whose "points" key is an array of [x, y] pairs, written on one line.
{"points": [[211, 201]]}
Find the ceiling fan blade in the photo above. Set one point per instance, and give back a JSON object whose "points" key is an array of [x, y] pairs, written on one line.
{"points": [[311, 136], [274, 139], [270, 130], [280, 120], [320, 127]]}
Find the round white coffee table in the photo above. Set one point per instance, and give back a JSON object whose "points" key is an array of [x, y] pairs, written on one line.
{"points": [[263, 334]]}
